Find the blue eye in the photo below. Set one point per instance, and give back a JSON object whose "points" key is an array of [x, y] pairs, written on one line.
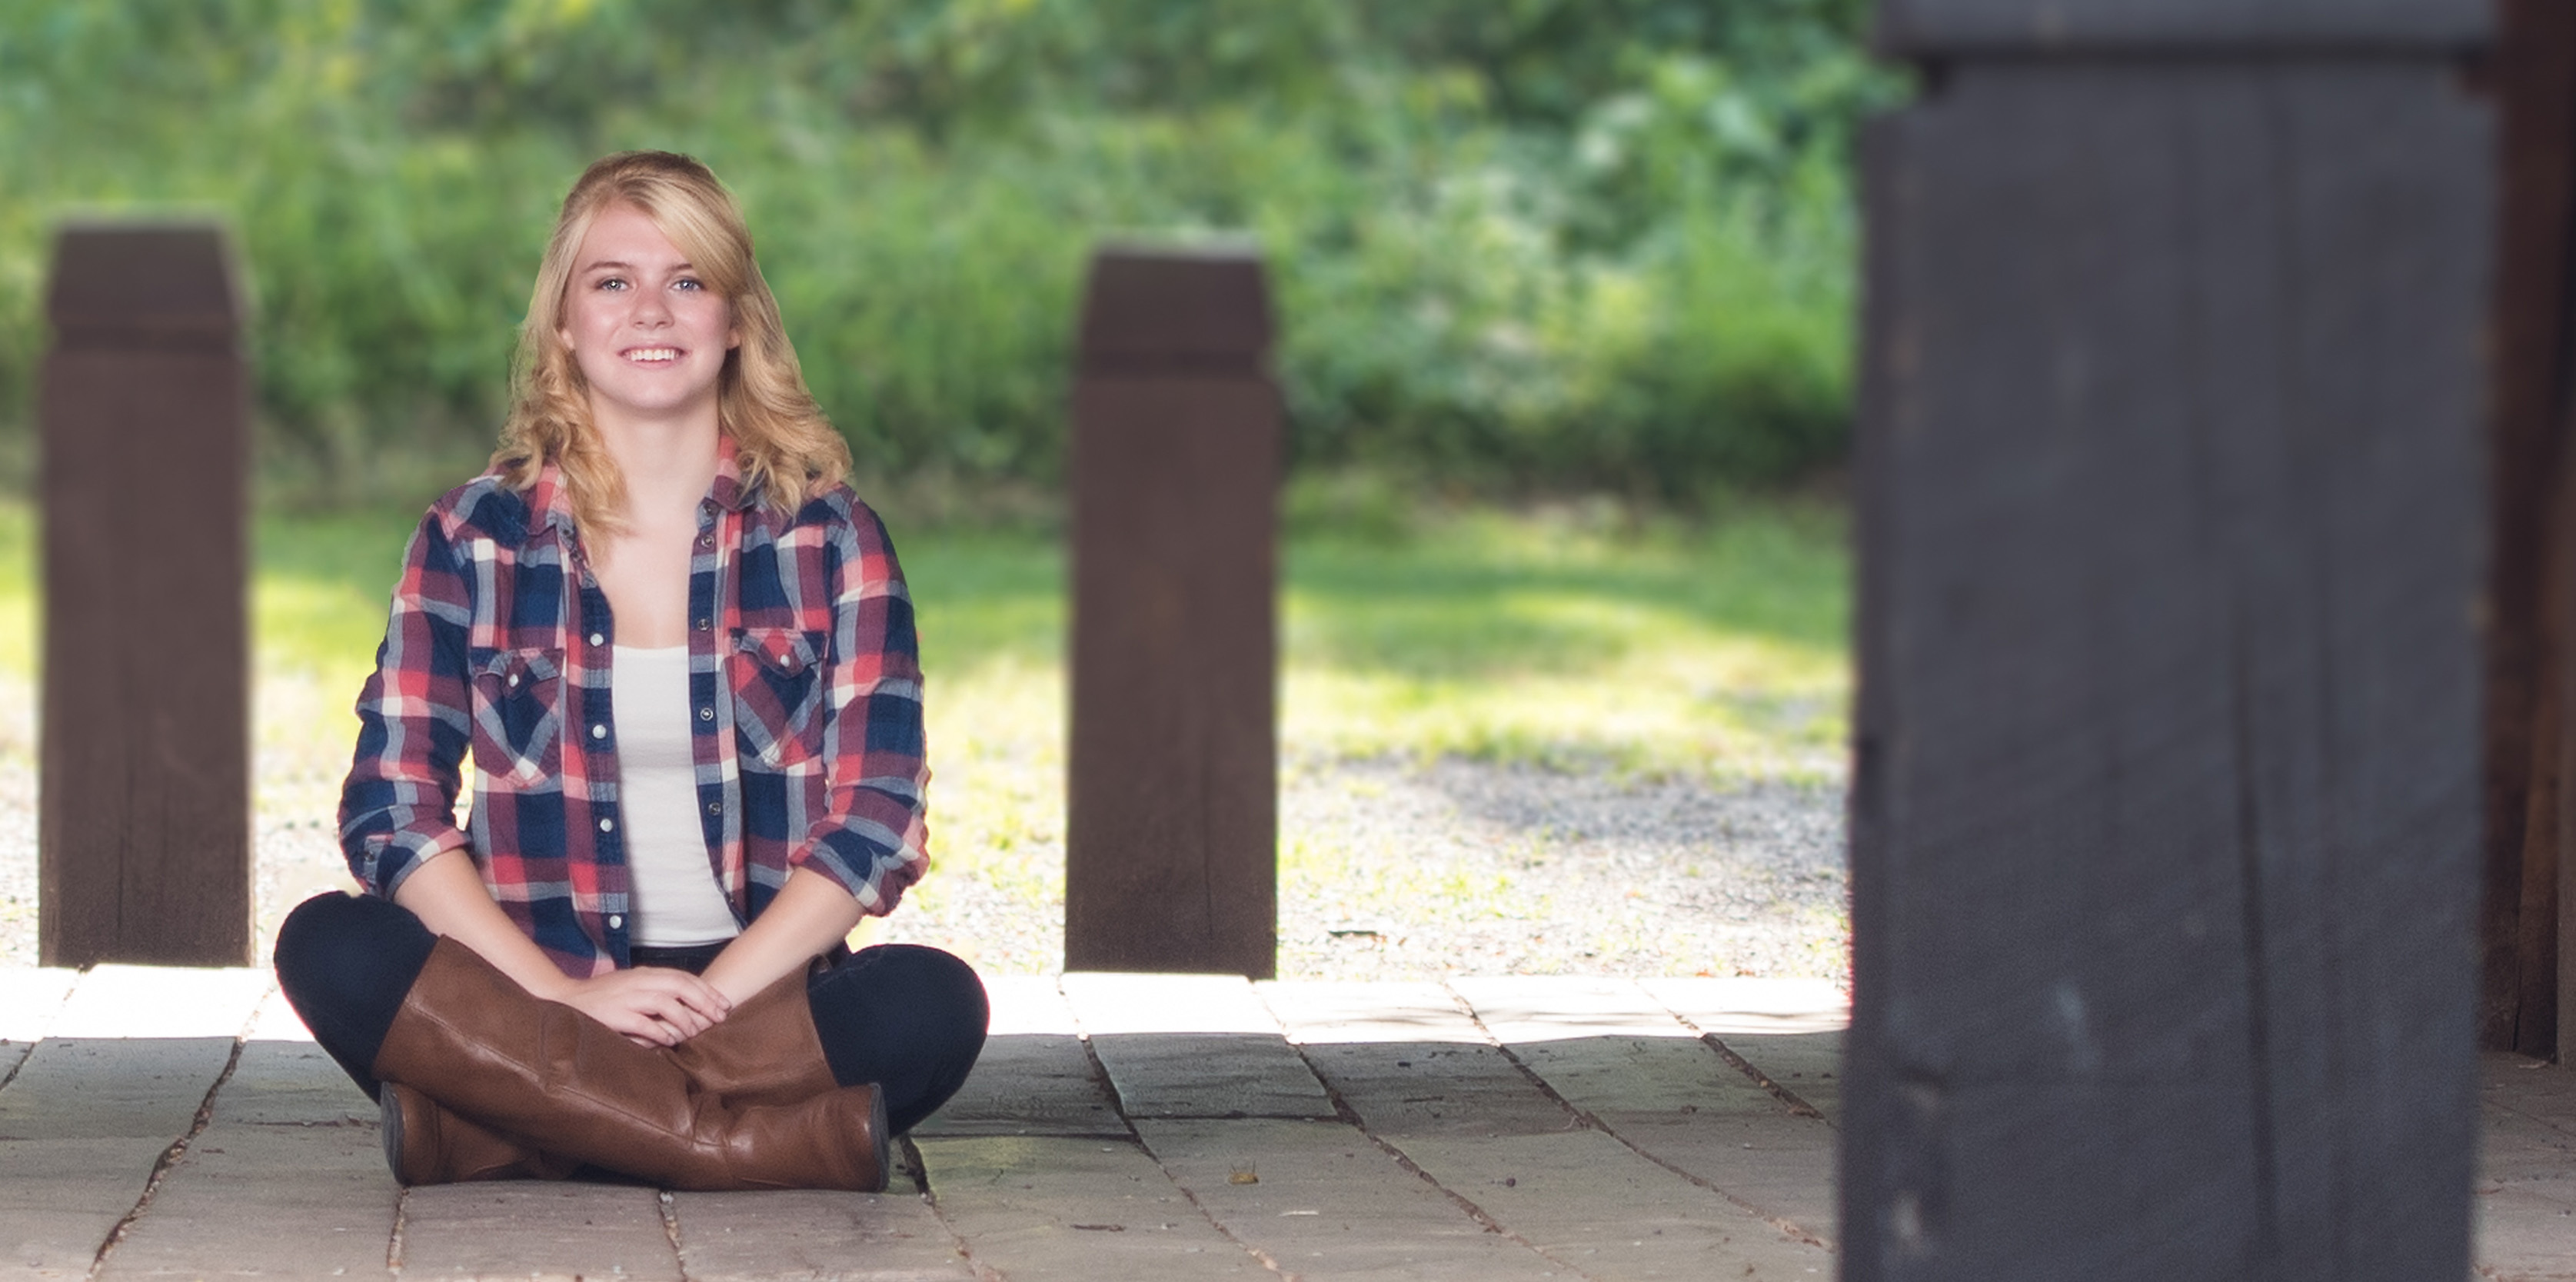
{"points": [[612, 282], [690, 283]]}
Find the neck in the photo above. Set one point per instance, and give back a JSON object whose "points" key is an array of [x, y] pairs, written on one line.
{"points": [[667, 461]]}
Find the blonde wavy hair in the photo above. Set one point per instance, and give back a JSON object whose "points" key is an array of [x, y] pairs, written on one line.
{"points": [[783, 445]]}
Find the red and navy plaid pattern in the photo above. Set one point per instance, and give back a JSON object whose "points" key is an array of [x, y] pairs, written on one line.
{"points": [[803, 673]]}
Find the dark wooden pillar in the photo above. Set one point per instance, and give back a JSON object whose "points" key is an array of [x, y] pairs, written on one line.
{"points": [[1171, 840], [2166, 810], [145, 814], [2532, 609]]}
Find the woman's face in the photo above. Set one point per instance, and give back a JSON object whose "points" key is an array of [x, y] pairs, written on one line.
{"points": [[647, 332]]}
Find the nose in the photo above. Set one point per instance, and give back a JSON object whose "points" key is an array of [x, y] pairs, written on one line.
{"points": [[651, 309]]}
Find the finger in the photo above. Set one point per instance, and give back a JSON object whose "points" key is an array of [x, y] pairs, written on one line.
{"points": [[685, 1022], [638, 1026], [703, 998], [694, 992]]}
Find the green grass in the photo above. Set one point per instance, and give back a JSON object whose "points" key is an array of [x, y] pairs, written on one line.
{"points": [[1573, 637]]}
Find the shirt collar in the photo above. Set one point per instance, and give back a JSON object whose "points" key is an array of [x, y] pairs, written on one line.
{"points": [[552, 499]]}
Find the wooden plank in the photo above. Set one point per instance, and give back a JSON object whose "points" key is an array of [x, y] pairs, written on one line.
{"points": [[1931, 28], [1756, 1007], [292, 1084], [1788, 1031], [1590, 1203], [276, 1021], [1320, 1201], [2526, 1188], [2523, 1236], [1171, 823], [82, 1125], [1483, 1130], [2170, 382], [1045, 1209], [162, 1002], [1035, 1077], [1629, 1066], [2528, 1088], [129, 1088], [1408, 1060], [144, 818], [1192, 1046], [815, 1235], [60, 1198], [2367, 918], [1526, 1009], [251, 1200], [528, 1228], [30, 997]]}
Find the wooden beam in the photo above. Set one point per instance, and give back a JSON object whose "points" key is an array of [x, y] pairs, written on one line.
{"points": [[2533, 79], [2165, 817], [2057, 28], [144, 819], [1171, 834]]}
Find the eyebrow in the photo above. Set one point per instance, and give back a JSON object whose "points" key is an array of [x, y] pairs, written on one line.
{"points": [[621, 265]]}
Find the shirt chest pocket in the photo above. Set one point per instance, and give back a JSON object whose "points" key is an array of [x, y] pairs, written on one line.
{"points": [[518, 717], [777, 679]]}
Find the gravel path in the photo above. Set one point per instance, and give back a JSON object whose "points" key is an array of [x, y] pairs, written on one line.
{"points": [[1389, 870]]}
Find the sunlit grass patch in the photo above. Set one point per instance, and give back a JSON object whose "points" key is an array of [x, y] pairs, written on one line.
{"points": [[1699, 650]]}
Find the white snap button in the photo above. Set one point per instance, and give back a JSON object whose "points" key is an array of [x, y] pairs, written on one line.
{"points": [[608, 825], [616, 921], [599, 732], [706, 714], [514, 679], [598, 639]]}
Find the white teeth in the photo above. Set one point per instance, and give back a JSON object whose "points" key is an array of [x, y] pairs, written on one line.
{"points": [[653, 354]]}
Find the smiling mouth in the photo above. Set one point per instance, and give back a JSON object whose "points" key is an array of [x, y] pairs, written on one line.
{"points": [[652, 355]]}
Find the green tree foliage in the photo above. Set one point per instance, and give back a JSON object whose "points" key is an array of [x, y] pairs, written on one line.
{"points": [[1549, 242]]}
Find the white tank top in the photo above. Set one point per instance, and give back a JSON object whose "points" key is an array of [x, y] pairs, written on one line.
{"points": [[675, 898]]}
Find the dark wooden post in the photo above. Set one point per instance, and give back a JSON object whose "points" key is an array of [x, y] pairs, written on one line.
{"points": [[2166, 808], [145, 813], [1171, 825], [2532, 612]]}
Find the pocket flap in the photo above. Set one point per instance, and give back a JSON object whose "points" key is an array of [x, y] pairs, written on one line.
{"points": [[520, 668], [785, 651]]}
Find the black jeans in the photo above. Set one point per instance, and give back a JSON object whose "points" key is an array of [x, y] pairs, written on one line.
{"points": [[908, 1018]]}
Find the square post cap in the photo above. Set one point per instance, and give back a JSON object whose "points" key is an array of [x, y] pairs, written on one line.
{"points": [[1180, 310], [1939, 28], [121, 284]]}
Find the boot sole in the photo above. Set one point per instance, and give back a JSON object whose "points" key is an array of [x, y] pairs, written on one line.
{"points": [[391, 1122], [884, 1142]]}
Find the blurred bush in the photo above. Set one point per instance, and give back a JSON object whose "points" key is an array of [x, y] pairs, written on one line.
{"points": [[1519, 243]]}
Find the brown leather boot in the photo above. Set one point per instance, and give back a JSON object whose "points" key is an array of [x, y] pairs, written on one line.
{"points": [[764, 1052], [476, 1042], [426, 1143]]}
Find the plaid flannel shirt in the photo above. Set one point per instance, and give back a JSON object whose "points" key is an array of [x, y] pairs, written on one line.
{"points": [[802, 670]]}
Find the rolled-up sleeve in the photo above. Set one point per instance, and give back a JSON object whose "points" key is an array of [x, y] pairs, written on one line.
{"points": [[872, 839], [398, 806]]}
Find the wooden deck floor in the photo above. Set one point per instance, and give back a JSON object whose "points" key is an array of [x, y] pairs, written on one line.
{"points": [[165, 1123]]}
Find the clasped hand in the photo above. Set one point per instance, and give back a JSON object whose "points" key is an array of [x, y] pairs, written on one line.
{"points": [[651, 1005]]}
